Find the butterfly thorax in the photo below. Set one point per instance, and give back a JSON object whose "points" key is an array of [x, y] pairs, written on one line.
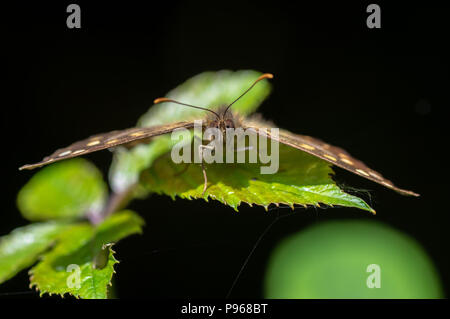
{"points": [[223, 121]]}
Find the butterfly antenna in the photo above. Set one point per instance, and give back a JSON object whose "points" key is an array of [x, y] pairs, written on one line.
{"points": [[164, 99], [262, 77]]}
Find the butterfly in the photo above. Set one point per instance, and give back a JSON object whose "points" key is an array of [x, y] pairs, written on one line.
{"points": [[222, 119]]}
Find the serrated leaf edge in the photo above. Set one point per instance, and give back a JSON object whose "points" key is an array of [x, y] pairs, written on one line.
{"points": [[266, 207], [35, 285]]}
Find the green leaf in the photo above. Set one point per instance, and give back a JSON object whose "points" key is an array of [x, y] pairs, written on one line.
{"points": [[208, 89], [82, 257], [65, 189], [22, 247], [301, 179], [346, 259]]}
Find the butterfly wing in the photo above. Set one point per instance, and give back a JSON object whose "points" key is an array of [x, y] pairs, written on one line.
{"points": [[332, 154], [107, 140]]}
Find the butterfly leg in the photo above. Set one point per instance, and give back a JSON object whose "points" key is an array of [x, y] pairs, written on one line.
{"points": [[205, 177]]}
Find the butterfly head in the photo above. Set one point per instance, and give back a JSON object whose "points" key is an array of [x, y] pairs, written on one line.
{"points": [[223, 121]]}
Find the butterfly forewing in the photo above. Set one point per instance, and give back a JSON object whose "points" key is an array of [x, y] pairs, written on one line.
{"points": [[107, 140], [332, 154]]}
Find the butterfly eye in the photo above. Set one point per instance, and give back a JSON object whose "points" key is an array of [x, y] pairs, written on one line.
{"points": [[229, 124]]}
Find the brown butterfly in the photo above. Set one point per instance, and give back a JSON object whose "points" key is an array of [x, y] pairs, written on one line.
{"points": [[222, 119]]}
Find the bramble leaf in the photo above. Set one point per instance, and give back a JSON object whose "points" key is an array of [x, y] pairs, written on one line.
{"points": [[22, 247], [209, 90], [82, 262], [301, 179], [65, 189]]}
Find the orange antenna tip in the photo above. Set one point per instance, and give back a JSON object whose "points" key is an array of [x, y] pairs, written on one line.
{"points": [[160, 100], [266, 76], [261, 77]]}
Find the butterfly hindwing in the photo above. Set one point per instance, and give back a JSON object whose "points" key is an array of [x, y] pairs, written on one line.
{"points": [[107, 140], [332, 154]]}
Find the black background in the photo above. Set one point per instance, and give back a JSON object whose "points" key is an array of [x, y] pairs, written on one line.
{"points": [[380, 94]]}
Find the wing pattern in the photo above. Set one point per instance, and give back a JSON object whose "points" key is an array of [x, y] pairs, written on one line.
{"points": [[107, 140], [332, 154]]}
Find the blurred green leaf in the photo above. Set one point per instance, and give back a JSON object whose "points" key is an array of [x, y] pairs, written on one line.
{"points": [[80, 247], [208, 89], [332, 260], [301, 179], [63, 190], [22, 247]]}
